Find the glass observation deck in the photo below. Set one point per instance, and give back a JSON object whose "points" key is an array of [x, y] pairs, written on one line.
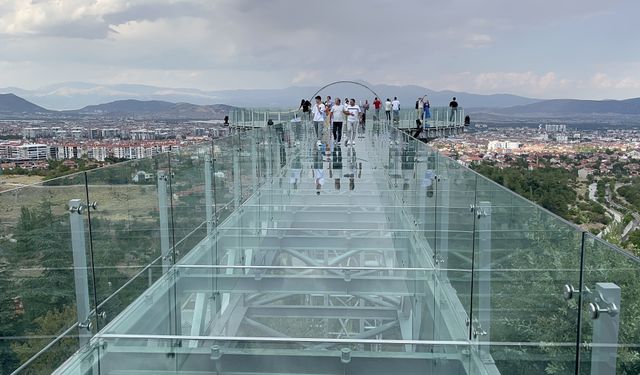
{"points": [[261, 253]]}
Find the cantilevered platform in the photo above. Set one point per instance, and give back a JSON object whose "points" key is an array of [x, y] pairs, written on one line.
{"points": [[267, 254]]}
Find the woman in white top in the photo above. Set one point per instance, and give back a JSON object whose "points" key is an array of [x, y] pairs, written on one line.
{"points": [[353, 111]]}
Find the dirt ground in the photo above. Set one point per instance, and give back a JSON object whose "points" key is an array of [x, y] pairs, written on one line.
{"points": [[12, 182], [115, 202]]}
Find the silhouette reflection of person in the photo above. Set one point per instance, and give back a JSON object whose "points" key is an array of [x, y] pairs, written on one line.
{"points": [[408, 158], [352, 167], [427, 182], [318, 171], [336, 164], [296, 171]]}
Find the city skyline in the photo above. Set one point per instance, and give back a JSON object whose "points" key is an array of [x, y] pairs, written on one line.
{"points": [[573, 49]]}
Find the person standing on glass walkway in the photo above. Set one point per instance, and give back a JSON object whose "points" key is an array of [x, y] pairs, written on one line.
{"points": [[376, 109], [419, 108], [337, 119], [395, 107], [318, 118], [453, 109], [387, 109], [305, 107], [353, 111], [427, 110], [328, 104]]}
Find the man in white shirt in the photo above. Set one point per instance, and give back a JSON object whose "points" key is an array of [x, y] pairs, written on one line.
{"points": [[337, 117], [318, 117], [395, 107], [353, 111], [387, 109]]}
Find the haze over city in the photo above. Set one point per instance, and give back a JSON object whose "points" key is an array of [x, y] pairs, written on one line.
{"points": [[542, 49]]}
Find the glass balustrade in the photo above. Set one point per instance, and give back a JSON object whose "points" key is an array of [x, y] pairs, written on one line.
{"points": [[262, 252]]}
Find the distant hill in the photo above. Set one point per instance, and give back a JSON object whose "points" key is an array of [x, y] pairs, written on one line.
{"points": [[128, 106], [155, 109], [12, 104], [73, 95], [573, 107]]}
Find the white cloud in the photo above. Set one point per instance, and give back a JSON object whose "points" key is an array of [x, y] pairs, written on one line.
{"points": [[252, 43], [28, 17], [628, 83], [519, 81], [478, 40], [603, 81]]}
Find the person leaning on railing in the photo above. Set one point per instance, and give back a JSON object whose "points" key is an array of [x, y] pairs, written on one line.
{"points": [[305, 106]]}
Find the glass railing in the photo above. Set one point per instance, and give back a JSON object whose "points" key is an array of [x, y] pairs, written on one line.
{"points": [[438, 118], [262, 252]]}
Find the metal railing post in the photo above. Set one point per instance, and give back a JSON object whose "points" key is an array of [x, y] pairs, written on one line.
{"points": [[208, 193], [442, 249], [163, 208], [236, 175], [605, 328], [80, 277], [483, 330], [254, 165]]}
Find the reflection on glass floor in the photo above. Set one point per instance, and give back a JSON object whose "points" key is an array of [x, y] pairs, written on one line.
{"points": [[332, 266]]}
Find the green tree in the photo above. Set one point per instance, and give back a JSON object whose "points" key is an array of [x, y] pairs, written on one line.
{"points": [[47, 327]]}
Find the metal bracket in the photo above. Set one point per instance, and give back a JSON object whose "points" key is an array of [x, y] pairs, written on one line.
{"points": [[80, 208], [597, 300], [216, 353], [482, 213], [568, 292], [477, 329], [345, 355], [102, 315], [438, 258], [595, 310], [87, 324]]}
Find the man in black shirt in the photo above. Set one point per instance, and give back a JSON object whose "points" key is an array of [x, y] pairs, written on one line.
{"points": [[453, 105]]}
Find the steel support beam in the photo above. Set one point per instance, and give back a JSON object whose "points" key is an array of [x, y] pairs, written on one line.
{"points": [[388, 286], [329, 312], [199, 314]]}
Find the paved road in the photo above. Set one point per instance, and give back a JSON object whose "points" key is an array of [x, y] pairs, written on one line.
{"points": [[617, 216]]}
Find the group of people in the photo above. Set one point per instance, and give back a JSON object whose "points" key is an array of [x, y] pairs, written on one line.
{"points": [[336, 117], [345, 116]]}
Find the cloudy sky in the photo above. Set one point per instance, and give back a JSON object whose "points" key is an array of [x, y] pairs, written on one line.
{"points": [[541, 48]]}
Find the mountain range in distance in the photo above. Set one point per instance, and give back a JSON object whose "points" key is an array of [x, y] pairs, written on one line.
{"points": [[74, 95], [141, 101], [13, 106]]}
